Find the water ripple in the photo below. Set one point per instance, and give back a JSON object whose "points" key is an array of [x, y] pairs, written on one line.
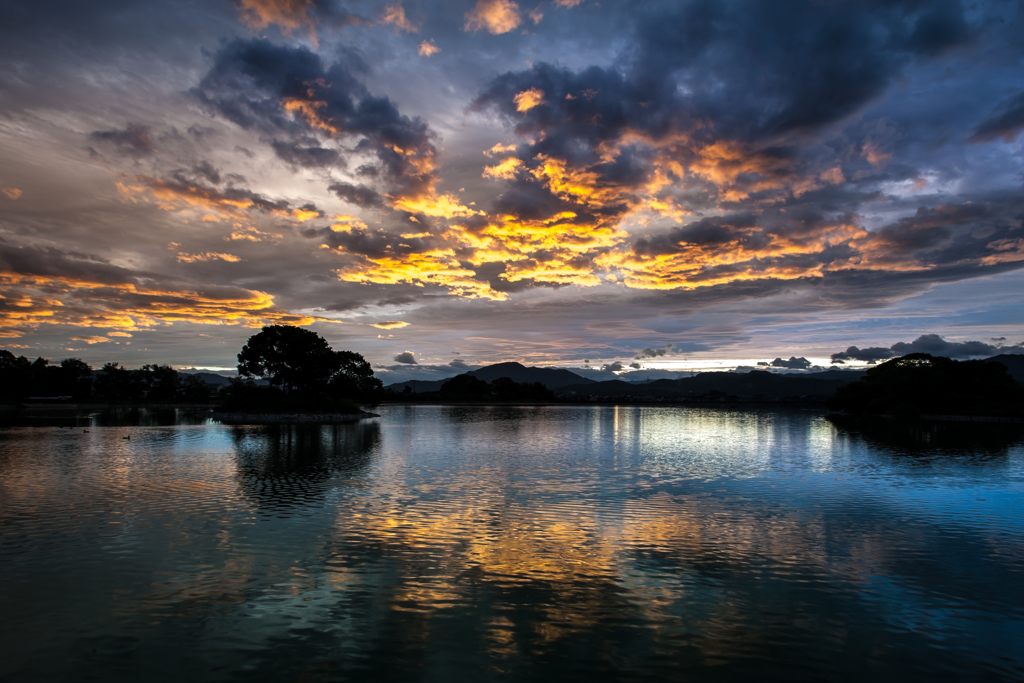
{"points": [[513, 543]]}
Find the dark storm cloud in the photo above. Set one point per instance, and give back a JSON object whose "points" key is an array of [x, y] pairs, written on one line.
{"points": [[927, 343], [278, 90], [310, 155], [762, 69], [406, 357], [648, 352], [969, 238], [793, 363], [871, 354], [493, 273], [937, 346], [712, 231], [135, 140], [1005, 123], [360, 195], [375, 243], [528, 200], [189, 187], [50, 262], [744, 70]]}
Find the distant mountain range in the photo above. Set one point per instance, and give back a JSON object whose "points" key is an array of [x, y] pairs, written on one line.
{"points": [[749, 386], [552, 378]]}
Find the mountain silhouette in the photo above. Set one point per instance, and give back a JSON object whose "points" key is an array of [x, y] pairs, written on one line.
{"points": [[552, 378]]}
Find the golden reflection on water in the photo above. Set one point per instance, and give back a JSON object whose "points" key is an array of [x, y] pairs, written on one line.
{"points": [[676, 528]]}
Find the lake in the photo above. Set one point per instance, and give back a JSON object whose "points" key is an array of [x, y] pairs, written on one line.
{"points": [[510, 544]]}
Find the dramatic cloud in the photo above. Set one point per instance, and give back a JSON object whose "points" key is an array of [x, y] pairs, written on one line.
{"points": [[405, 357], [288, 91], [927, 343], [565, 179], [41, 287]]}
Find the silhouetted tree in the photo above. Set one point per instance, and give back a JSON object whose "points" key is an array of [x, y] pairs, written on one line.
{"points": [[159, 382], [352, 378], [290, 358], [21, 378], [15, 375], [76, 378], [301, 363], [116, 383]]}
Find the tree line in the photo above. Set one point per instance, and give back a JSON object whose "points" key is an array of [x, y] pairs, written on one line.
{"points": [[921, 384], [21, 378], [300, 369]]}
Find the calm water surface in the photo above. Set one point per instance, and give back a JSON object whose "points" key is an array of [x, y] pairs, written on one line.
{"points": [[554, 543]]}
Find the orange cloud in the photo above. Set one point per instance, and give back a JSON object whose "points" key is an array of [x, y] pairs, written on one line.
{"points": [[506, 170], [438, 267], [395, 15], [345, 222], [875, 154], [428, 49], [30, 300], [496, 16], [438, 206], [289, 15], [499, 149], [12, 192], [390, 324], [1007, 251], [528, 99]]}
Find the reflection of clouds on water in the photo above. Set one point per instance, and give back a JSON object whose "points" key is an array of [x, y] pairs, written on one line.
{"points": [[533, 543], [281, 467], [644, 524]]}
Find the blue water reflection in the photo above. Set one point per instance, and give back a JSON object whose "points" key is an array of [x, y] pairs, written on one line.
{"points": [[503, 543]]}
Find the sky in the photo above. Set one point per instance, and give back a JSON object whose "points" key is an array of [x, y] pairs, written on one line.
{"points": [[443, 185]]}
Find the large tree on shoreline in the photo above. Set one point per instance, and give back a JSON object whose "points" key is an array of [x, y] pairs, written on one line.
{"points": [[301, 362]]}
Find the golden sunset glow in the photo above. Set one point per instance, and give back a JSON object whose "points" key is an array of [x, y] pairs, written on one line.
{"points": [[454, 167]]}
